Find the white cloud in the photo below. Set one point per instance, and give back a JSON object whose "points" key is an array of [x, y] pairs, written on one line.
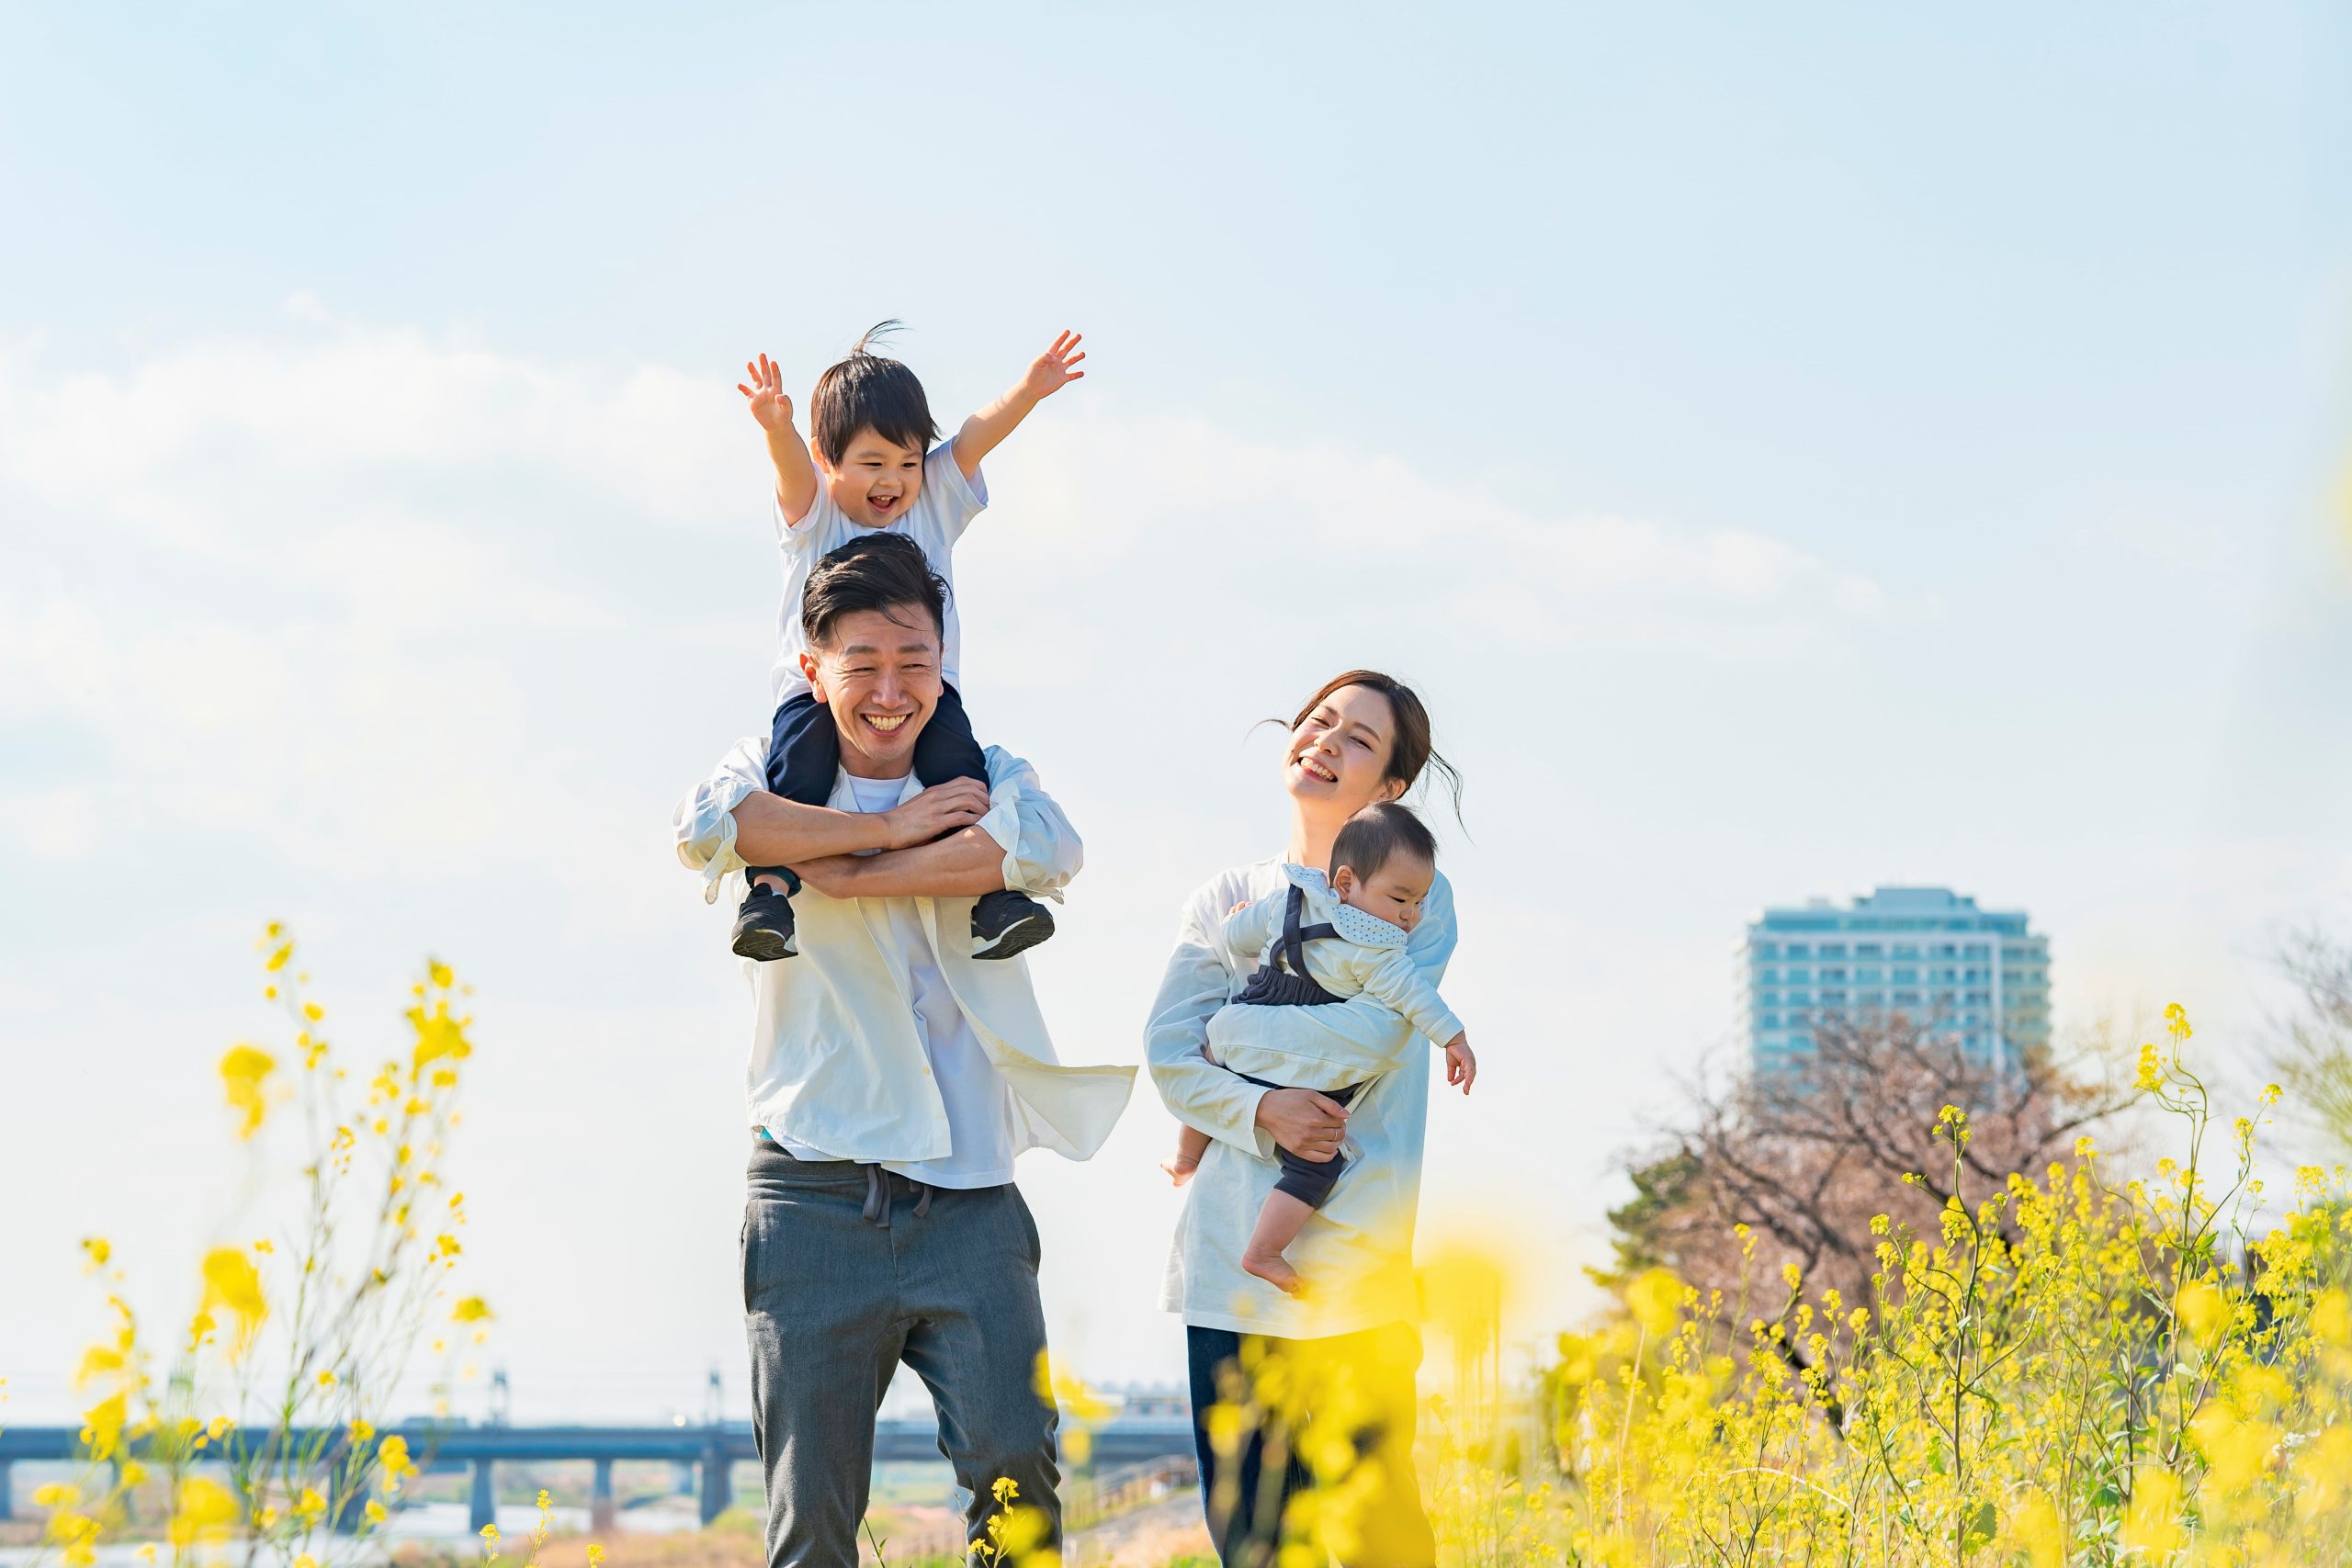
{"points": [[1093, 490], [330, 576]]}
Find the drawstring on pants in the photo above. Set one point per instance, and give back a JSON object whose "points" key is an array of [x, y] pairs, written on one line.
{"points": [[877, 1197]]}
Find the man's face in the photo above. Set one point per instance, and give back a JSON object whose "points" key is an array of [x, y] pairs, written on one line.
{"points": [[879, 676], [877, 480]]}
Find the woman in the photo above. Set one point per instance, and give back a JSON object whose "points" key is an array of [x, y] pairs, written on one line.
{"points": [[1344, 1352]]}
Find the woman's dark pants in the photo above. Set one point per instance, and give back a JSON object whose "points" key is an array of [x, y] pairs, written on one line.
{"points": [[1245, 1493]]}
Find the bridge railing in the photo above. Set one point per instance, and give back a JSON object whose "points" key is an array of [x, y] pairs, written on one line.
{"points": [[713, 1450]]}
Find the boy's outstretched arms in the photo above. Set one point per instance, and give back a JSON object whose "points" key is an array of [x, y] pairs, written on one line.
{"points": [[795, 472], [1047, 374]]}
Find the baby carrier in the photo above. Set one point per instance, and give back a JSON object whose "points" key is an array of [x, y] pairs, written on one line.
{"points": [[1281, 981]]}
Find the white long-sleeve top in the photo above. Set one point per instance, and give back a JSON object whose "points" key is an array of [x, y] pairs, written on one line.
{"points": [[1358, 1248], [1369, 956], [837, 1061]]}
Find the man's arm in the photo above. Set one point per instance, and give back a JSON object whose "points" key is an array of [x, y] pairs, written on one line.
{"points": [[730, 820], [1047, 374], [796, 473], [772, 831], [964, 866], [1018, 838]]}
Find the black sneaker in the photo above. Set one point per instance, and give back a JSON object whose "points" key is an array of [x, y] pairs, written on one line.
{"points": [[763, 926], [1005, 922]]}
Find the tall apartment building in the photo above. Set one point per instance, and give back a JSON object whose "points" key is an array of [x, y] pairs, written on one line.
{"points": [[1976, 975]]}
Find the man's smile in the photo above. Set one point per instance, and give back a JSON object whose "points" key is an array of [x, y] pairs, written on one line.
{"points": [[887, 723]]}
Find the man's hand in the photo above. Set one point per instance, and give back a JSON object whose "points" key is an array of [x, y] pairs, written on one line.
{"points": [[831, 874], [765, 395], [942, 808], [1055, 368], [1308, 1124], [1460, 1066]]}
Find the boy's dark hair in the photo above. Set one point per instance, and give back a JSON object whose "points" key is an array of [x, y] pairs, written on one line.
{"points": [[874, 571], [869, 391], [1377, 832]]}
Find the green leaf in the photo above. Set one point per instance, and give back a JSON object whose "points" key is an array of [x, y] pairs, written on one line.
{"points": [[1981, 1526]]}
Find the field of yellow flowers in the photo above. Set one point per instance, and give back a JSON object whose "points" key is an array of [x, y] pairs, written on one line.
{"points": [[2079, 1367]]}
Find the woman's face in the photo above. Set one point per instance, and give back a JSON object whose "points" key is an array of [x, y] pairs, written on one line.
{"points": [[1338, 755]]}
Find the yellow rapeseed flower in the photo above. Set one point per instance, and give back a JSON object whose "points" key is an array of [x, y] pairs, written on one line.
{"points": [[206, 1511], [471, 1309], [103, 1424], [2151, 1523], [1654, 1298], [244, 1076], [2036, 1526], [231, 1281], [96, 1361]]}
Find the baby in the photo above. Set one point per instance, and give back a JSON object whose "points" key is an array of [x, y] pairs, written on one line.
{"points": [[1325, 940], [865, 467]]}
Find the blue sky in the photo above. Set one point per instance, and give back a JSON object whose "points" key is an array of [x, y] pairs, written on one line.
{"points": [[1792, 451]]}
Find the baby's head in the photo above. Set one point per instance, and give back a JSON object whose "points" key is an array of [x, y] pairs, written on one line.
{"points": [[870, 425], [1382, 862]]}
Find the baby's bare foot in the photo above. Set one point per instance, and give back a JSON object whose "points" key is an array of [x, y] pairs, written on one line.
{"points": [[1275, 1269], [1179, 1170]]}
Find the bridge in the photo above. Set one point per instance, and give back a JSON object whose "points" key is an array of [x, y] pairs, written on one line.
{"points": [[712, 1448]]}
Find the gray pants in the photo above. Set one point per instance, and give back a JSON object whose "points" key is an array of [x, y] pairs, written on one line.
{"points": [[833, 1302]]}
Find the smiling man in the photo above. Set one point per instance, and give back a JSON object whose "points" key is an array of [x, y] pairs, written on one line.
{"points": [[893, 1079]]}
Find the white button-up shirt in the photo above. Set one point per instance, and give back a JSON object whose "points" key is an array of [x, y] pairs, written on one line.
{"points": [[837, 1061], [1356, 1253]]}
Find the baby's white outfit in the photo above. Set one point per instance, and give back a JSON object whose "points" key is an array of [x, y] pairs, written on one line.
{"points": [[1257, 1035]]}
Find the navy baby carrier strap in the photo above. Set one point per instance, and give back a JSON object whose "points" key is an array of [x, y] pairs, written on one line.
{"points": [[1274, 984]]}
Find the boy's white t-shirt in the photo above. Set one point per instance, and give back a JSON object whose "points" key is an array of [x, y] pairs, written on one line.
{"points": [[978, 1101], [944, 508]]}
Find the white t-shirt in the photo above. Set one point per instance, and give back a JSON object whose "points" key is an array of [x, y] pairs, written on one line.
{"points": [[978, 1100], [944, 508]]}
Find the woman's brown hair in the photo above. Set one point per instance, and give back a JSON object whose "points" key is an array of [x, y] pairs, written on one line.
{"points": [[1410, 750]]}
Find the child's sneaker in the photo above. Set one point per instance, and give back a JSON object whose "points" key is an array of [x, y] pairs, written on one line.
{"points": [[1005, 922], [763, 926]]}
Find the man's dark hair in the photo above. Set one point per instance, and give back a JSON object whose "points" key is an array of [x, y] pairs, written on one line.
{"points": [[878, 571], [870, 391], [1378, 831]]}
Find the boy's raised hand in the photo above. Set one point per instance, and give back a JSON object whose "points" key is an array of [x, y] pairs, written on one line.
{"points": [[765, 394], [1055, 368]]}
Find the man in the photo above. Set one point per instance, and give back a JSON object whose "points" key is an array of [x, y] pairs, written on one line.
{"points": [[893, 1079]]}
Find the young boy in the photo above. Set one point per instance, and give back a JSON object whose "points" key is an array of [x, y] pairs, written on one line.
{"points": [[863, 466]]}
